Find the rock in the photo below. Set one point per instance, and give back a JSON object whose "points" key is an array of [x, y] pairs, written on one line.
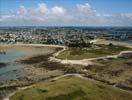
{"points": [[3, 64]]}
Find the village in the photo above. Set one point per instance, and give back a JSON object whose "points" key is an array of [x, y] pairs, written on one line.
{"points": [[61, 35]]}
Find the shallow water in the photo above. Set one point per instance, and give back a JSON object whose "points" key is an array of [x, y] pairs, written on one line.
{"points": [[129, 41], [11, 56], [12, 70]]}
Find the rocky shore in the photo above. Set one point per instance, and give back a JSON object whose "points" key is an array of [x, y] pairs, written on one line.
{"points": [[36, 67], [42, 67]]}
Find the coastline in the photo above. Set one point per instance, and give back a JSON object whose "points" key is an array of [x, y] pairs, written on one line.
{"points": [[63, 62], [33, 72], [45, 45]]}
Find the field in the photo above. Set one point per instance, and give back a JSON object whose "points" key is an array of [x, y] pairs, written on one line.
{"points": [[84, 53], [71, 88], [112, 71]]}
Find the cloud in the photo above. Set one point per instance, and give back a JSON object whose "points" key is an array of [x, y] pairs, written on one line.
{"points": [[86, 9], [58, 10], [22, 10], [81, 14], [42, 8]]}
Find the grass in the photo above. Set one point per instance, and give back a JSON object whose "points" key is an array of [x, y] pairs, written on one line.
{"points": [[71, 88], [112, 71], [81, 53]]}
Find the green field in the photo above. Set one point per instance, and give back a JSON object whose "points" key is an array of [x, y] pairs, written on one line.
{"points": [[83, 53], [71, 88]]}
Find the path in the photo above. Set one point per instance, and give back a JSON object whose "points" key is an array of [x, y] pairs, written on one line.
{"points": [[84, 62]]}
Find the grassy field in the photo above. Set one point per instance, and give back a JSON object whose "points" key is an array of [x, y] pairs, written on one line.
{"points": [[118, 71], [71, 88], [81, 53]]}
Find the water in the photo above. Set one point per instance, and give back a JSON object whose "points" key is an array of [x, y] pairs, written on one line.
{"points": [[12, 70], [129, 41], [11, 56]]}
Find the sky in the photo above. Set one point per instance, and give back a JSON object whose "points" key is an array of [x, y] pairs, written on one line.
{"points": [[65, 12]]}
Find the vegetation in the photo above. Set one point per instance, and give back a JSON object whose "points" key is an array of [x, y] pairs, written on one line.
{"points": [[78, 43], [113, 71], [71, 88], [98, 51]]}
